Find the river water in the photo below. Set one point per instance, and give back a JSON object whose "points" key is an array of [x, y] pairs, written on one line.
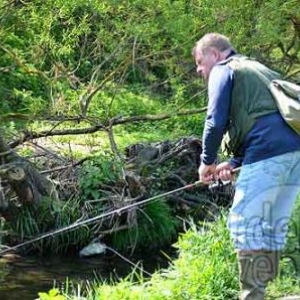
{"points": [[23, 277]]}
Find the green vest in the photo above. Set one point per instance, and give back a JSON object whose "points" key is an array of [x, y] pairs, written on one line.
{"points": [[250, 99]]}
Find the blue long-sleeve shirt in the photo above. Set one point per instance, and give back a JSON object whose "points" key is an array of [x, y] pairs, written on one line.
{"points": [[270, 135]]}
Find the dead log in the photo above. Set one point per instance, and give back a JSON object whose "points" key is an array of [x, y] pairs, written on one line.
{"points": [[22, 178]]}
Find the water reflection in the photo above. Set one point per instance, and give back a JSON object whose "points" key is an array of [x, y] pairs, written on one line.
{"points": [[23, 277]]}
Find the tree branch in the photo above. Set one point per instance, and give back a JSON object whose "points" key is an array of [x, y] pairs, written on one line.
{"points": [[102, 127], [160, 117]]}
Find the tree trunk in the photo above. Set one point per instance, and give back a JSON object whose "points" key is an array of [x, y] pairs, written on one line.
{"points": [[20, 177]]}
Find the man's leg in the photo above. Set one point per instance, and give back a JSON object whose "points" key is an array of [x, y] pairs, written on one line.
{"points": [[256, 269], [265, 194]]}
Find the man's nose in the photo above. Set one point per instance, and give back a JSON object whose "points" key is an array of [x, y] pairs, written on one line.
{"points": [[199, 70]]}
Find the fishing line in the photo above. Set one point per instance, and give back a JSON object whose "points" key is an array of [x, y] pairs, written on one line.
{"points": [[104, 215], [128, 261]]}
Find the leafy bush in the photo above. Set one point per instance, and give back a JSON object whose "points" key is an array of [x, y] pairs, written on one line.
{"points": [[103, 169]]}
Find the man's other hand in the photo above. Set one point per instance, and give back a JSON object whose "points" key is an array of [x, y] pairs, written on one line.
{"points": [[207, 173]]}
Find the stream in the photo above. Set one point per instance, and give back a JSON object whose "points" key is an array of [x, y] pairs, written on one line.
{"points": [[23, 277]]}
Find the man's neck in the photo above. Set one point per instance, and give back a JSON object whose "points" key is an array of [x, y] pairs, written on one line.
{"points": [[225, 54]]}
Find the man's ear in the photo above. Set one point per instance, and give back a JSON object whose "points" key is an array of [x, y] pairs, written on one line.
{"points": [[216, 54]]}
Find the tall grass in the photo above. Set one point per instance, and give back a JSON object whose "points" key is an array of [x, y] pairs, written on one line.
{"points": [[206, 268], [156, 227], [30, 222]]}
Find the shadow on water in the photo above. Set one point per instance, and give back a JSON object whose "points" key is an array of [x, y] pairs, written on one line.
{"points": [[23, 277]]}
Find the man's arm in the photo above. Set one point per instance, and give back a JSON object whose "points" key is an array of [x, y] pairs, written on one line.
{"points": [[220, 85]]}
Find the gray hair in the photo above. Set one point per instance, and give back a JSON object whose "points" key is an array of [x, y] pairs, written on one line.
{"points": [[212, 40]]}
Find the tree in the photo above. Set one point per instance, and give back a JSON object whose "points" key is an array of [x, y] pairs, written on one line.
{"points": [[24, 180]]}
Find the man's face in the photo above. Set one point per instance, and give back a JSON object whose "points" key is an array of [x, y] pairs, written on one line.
{"points": [[205, 62]]}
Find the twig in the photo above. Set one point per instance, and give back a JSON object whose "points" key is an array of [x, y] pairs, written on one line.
{"points": [[65, 167], [6, 152], [112, 230], [46, 150], [172, 175], [169, 155], [22, 65]]}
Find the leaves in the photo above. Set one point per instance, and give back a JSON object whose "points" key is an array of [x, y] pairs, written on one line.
{"points": [[53, 294], [62, 53]]}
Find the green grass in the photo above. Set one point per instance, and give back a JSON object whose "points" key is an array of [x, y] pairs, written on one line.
{"points": [[30, 223], [156, 227], [206, 268]]}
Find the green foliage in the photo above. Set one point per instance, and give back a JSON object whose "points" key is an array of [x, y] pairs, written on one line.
{"points": [[61, 51], [206, 268], [103, 169], [31, 223], [64, 48], [25, 224], [155, 227], [288, 284], [127, 101], [207, 250], [67, 213], [291, 253], [53, 294], [129, 58]]}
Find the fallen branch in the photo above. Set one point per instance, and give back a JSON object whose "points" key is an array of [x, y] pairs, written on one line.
{"points": [[65, 167], [98, 127]]}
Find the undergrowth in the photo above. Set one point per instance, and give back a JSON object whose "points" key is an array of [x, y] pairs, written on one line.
{"points": [[32, 223], [206, 268], [156, 228]]}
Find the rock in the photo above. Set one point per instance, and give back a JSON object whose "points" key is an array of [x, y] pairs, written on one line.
{"points": [[92, 249]]}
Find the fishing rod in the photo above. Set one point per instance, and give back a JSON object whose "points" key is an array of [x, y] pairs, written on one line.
{"points": [[104, 215]]}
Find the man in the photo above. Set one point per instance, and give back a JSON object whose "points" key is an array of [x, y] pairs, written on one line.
{"points": [[242, 110]]}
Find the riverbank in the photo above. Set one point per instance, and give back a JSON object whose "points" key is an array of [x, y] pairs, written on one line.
{"points": [[22, 277], [206, 268]]}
